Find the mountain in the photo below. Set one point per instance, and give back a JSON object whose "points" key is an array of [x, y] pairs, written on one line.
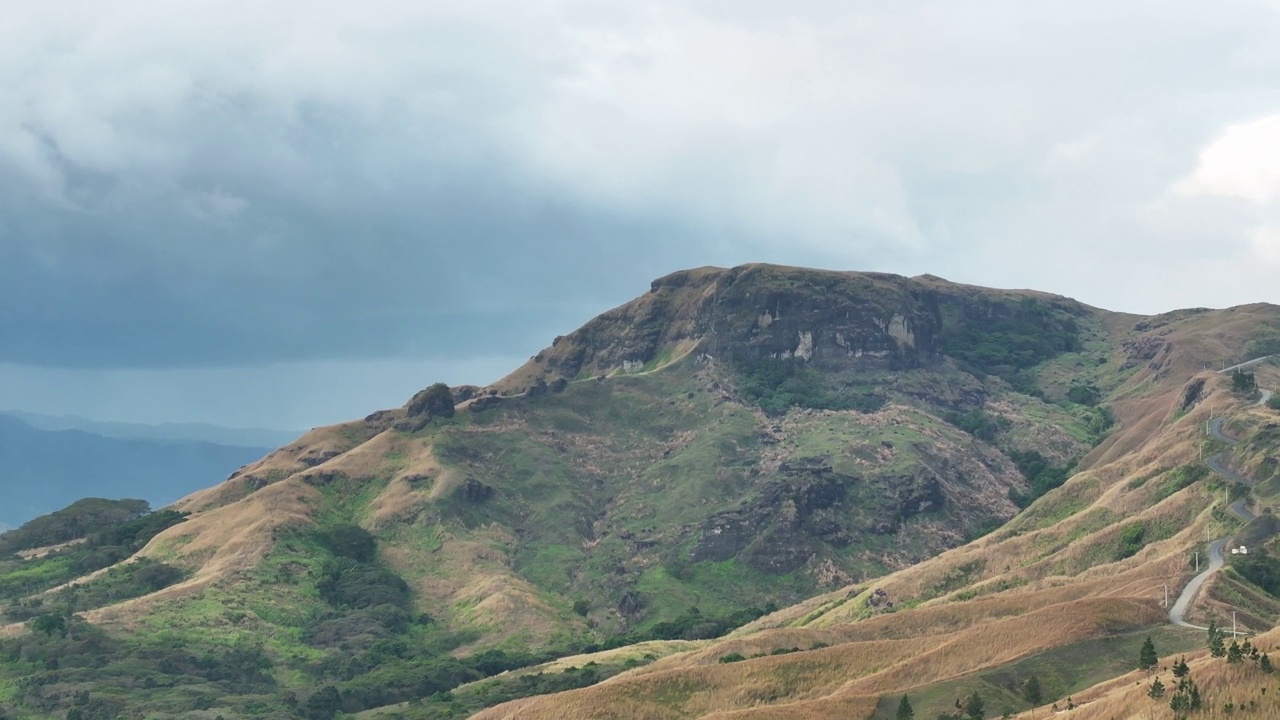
{"points": [[754, 491], [43, 470], [190, 432]]}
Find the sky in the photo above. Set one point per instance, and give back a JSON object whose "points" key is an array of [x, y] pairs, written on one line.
{"points": [[286, 214]]}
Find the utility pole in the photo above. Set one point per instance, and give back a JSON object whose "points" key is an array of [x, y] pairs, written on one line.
{"points": [[1197, 562], [1166, 595], [1233, 624]]}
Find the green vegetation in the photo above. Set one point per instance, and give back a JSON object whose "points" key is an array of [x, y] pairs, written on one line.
{"points": [[1260, 569], [74, 522], [107, 537], [123, 582], [1243, 382], [1084, 394], [1147, 657], [905, 711], [777, 385], [1132, 539], [1265, 344], [1274, 402], [1179, 479], [978, 423], [1042, 476], [1003, 337]]}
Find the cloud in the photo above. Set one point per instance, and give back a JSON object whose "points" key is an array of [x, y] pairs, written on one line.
{"points": [[238, 183], [1244, 162]]}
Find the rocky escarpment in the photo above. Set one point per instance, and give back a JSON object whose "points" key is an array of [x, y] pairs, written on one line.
{"points": [[829, 320]]}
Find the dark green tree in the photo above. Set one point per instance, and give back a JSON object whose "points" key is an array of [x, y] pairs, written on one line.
{"points": [[1147, 657], [905, 712], [1243, 382], [1185, 699], [1031, 691], [1235, 654], [1217, 647], [1180, 668], [1264, 664], [973, 708], [1156, 691], [49, 625]]}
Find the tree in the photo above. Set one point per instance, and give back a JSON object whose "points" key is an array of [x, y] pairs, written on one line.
{"points": [[1156, 691], [1031, 691], [1217, 647], [1147, 657], [1186, 698], [1264, 664], [1243, 382], [973, 707], [904, 710], [581, 607], [1235, 653], [51, 624], [1180, 668]]}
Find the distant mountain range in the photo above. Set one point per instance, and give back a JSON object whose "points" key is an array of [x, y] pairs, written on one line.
{"points": [[48, 462], [194, 432]]}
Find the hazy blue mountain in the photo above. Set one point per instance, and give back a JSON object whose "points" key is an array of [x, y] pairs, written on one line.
{"points": [[195, 432], [43, 470]]}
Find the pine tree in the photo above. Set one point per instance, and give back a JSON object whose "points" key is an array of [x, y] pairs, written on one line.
{"points": [[1156, 691], [1234, 653], [1180, 668], [1031, 691], [904, 710], [1264, 664], [1147, 657], [1186, 698], [1216, 646]]}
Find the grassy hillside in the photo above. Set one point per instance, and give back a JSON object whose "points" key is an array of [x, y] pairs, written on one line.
{"points": [[748, 489]]}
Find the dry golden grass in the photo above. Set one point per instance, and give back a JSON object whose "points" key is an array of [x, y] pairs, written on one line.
{"points": [[887, 655], [1255, 695]]}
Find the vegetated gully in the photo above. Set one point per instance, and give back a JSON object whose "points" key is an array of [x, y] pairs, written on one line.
{"points": [[1177, 613]]}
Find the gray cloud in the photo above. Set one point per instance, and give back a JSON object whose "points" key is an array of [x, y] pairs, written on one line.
{"points": [[239, 184]]}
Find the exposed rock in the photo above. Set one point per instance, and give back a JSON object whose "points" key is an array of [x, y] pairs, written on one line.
{"points": [[1192, 394], [314, 456], [631, 604], [474, 491], [322, 478]]}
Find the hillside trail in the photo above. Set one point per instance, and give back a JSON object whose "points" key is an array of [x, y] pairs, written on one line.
{"points": [[1178, 613]]}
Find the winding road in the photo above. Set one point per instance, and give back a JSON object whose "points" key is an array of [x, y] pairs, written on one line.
{"points": [[1178, 613]]}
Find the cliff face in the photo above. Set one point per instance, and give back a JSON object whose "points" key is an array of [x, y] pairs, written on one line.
{"points": [[835, 321]]}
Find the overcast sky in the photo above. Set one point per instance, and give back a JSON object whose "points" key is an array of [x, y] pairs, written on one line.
{"points": [[289, 213]]}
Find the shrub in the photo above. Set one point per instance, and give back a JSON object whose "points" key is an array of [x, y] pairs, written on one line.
{"points": [[1131, 541], [978, 423]]}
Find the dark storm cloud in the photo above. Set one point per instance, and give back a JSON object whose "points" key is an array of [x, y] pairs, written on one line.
{"points": [[245, 182]]}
